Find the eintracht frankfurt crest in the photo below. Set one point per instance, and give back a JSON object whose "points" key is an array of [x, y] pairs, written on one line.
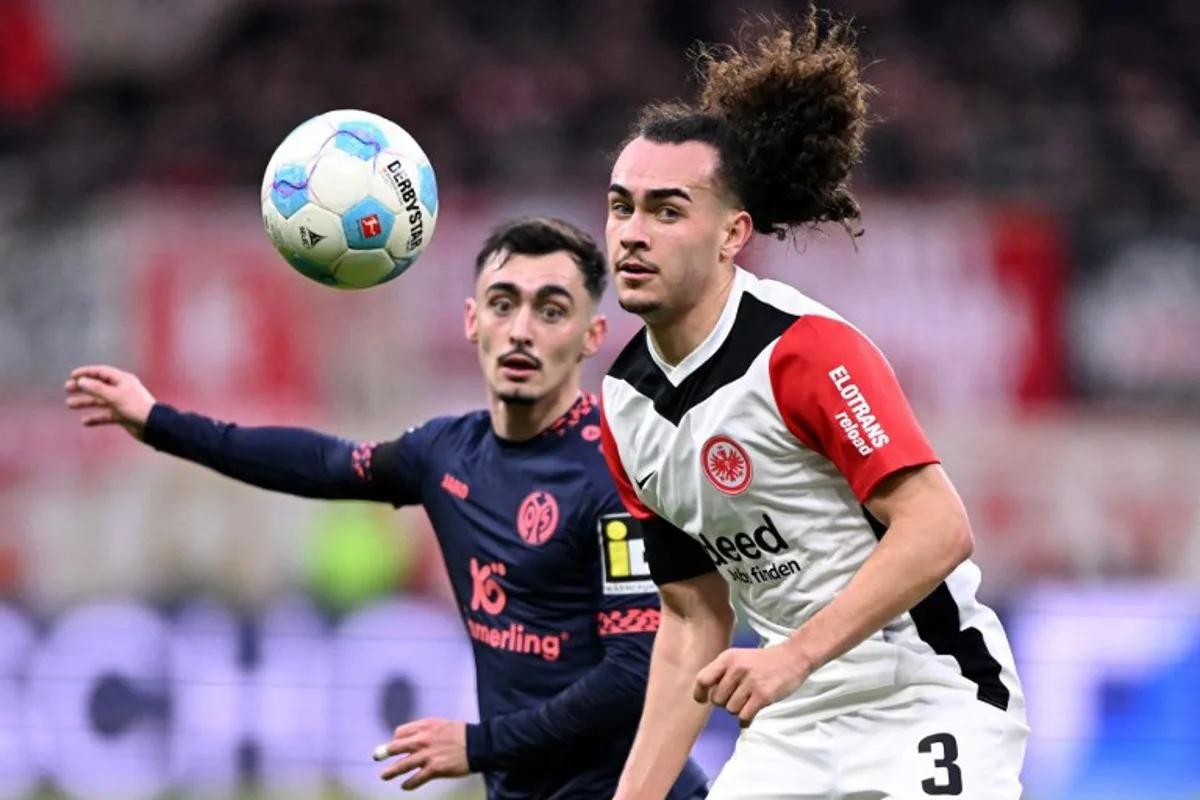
{"points": [[726, 464]]}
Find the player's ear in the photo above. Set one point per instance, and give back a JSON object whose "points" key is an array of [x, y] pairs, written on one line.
{"points": [[596, 333], [738, 230], [471, 321]]}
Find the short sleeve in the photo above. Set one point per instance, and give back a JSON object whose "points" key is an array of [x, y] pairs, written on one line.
{"points": [[673, 555], [616, 469], [670, 553], [838, 394]]}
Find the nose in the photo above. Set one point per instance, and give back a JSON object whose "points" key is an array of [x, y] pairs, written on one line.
{"points": [[633, 235], [521, 331]]}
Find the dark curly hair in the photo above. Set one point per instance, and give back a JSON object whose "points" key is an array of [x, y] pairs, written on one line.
{"points": [[786, 113]]}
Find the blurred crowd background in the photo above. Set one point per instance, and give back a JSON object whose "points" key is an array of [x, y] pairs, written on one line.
{"points": [[1031, 265]]}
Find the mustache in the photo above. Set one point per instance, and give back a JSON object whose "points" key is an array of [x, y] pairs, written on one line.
{"points": [[634, 260], [522, 354]]}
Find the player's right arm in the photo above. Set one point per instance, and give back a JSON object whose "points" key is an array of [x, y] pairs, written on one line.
{"points": [[696, 626], [294, 461]]}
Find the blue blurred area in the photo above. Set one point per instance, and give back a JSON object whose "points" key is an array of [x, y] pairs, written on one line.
{"points": [[1113, 691], [1147, 743]]}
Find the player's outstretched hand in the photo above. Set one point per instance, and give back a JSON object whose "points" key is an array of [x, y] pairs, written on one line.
{"points": [[109, 396], [745, 681], [436, 748]]}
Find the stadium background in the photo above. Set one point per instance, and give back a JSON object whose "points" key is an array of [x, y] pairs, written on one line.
{"points": [[1031, 266]]}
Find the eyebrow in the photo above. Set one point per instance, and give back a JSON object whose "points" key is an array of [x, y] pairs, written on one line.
{"points": [[543, 293], [653, 194]]}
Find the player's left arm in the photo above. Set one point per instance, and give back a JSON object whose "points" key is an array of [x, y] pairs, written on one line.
{"points": [[606, 698], [928, 536], [839, 395]]}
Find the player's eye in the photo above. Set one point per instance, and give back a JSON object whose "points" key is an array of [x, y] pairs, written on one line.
{"points": [[620, 208], [553, 313], [668, 214], [500, 305]]}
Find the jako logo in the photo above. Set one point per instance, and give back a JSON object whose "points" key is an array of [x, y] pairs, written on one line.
{"points": [[764, 541], [486, 592]]}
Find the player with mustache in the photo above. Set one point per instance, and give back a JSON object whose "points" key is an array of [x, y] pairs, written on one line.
{"points": [[543, 558]]}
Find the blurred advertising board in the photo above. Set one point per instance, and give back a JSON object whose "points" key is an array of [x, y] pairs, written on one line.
{"points": [[1135, 317], [1110, 677], [115, 699]]}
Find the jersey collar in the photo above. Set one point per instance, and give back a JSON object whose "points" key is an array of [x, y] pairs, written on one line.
{"points": [[579, 413], [677, 373]]}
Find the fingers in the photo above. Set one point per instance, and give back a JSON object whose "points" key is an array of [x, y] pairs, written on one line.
{"points": [[738, 699], [398, 747], [99, 412], [403, 765], [97, 381], [409, 728], [95, 388], [739, 696], [750, 710], [420, 779], [103, 373], [103, 417], [723, 691], [406, 743], [78, 401], [707, 678]]}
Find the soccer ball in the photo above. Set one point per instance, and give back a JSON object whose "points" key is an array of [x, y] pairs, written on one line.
{"points": [[349, 199]]}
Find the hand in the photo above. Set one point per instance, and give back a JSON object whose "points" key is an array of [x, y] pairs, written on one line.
{"points": [[437, 746], [744, 681], [109, 396]]}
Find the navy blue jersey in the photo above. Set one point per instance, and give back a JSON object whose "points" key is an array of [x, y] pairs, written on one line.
{"points": [[546, 566]]}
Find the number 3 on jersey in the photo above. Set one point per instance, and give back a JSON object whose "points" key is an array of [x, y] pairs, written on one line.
{"points": [[949, 783]]}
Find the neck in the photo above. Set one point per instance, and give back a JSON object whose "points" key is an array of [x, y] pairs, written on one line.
{"points": [[677, 338], [519, 423]]}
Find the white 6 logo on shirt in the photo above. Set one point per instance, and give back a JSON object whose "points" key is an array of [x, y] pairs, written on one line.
{"points": [[726, 464]]}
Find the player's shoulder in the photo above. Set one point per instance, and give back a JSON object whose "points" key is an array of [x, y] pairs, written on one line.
{"points": [[784, 299], [766, 310], [446, 429], [578, 435], [812, 326], [573, 461]]}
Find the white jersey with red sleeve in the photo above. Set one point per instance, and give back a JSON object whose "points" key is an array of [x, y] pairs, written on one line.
{"points": [[755, 456]]}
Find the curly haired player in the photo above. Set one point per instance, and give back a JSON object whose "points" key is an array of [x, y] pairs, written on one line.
{"points": [[768, 449]]}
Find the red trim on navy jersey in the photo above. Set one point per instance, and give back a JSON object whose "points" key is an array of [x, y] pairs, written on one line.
{"points": [[838, 395], [628, 620], [608, 445]]}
